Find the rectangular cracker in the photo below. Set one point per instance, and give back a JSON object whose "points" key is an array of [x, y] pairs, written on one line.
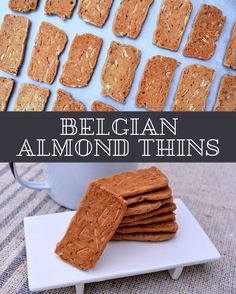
{"points": [[134, 182], [205, 32], [6, 87], [226, 99], [154, 219], [13, 35], [230, 56], [65, 102], [62, 8], [145, 207], [100, 106], [118, 71], [168, 207], [157, 195], [93, 225], [130, 16], [172, 22], [22, 5], [95, 12], [155, 237], [193, 88], [155, 83], [31, 98], [49, 44], [165, 227], [83, 56]]}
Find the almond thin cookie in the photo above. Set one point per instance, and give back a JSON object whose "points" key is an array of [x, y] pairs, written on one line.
{"points": [[6, 87], [130, 17], [172, 22], [205, 32], [193, 88], [165, 227], [13, 35], [82, 60], [154, 219], [22, 5], [31, 98], [144, 207], [155, 83], [134, 182], [65, 102], [62, 8], [49, 44], [93, 225], [118, 71], [144, 237], [95, 12], [230, 56], [168, 207], [100, 106], [161, 194], [226, 99]]}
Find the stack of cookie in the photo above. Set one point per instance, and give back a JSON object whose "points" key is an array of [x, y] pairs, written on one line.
{"points": [[135, 205], [150, 207]]}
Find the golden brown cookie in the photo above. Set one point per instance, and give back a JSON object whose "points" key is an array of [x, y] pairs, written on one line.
{"points": [[205, 32], [62, 8], [230, 56], [193, 88], [226, 99], [83, 56], [6, 87], [172, 22], [65, 102], [49, 44], [130, 17], [118, 71], [22, 5], [155, 237], [13, 35], [93, 225], [100, 106]]}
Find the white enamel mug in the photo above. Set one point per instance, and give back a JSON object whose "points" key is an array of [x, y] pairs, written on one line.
{"points": [[67, 182]]}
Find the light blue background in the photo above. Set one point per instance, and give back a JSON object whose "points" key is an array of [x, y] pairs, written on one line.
{"points": [[76, 25]]}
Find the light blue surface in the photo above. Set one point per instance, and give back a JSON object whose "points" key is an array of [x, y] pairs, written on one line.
{"points": [[76, 25]]}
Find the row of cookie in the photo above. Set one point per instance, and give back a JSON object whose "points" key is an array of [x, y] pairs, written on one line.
{"points": [[191, 94], [111, 202], [130, 17], [33, 98]]}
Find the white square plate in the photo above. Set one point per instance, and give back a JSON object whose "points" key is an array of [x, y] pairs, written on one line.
{"points": [[120, 259]]}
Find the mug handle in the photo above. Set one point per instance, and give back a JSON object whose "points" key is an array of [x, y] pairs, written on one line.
{"points": [[25, 183]]}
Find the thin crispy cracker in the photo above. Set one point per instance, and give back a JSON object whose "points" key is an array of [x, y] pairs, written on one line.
{"points": [[193, 88], [164, 227], [93, 225], [118, 71], [161, 194], [65, 102], [168, 207], [226, 99], [49, 44], [170, 216], [172, 21], [6, 87], [83, 56], [22, 5], [62, 8], [134, 182], [156, 81], [155, 237], [230, 56], [205, 32], [13, 35], [100, 106], [95, 12], [130, 17], [31, 98]]}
